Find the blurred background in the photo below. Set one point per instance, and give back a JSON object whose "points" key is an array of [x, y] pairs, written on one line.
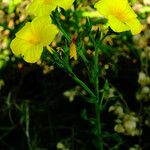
{"points": [[42, 108]]}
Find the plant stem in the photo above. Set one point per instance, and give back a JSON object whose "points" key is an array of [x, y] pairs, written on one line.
{"points": [[63, 31], [98, 105], [82, 84], [27, 126]]}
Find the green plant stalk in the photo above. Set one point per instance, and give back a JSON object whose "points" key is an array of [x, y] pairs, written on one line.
{"points": [[63, 31], [98, 104], [27, 126], [82, 84]]}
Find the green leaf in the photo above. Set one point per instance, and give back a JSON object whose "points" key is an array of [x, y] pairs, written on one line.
{"points": [[84, 114], [106, 86]]}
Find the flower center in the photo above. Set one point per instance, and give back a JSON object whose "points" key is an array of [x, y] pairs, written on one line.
{"points": [[119, 14], [34, 40]]}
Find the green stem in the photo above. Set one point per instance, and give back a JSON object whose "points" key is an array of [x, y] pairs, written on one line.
{"points": [[5, 27], [82, 84], [98, 105], [63, 31], [27, 126]]}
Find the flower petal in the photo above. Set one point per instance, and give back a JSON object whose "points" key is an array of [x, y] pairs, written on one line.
{"points": [[30, 52], [119, 8], [116, 25], [18, 46], [33, 54], [43, 28], [103, 8], [73, 51], [25, 32], [39, 8], [65, 4], [117, 4], [134, 25], [129, 13]]}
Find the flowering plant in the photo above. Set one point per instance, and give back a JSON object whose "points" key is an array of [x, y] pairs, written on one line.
{"points": [[46, 30]]}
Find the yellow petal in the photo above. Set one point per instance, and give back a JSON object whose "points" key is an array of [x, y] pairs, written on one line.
{"points": [[33, 54], [30, 52], [103, 8], [135, 26], [18, 46], [117, 4], [125, 14], [43, 29], [25, 32], [116, 25], [118, 8], [65, 4], [33, 6], [73, 51], [41, 7]]}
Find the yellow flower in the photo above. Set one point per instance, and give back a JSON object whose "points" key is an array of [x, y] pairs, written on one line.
{"points": [[45, 7], [31, 39], [120, 15]]}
